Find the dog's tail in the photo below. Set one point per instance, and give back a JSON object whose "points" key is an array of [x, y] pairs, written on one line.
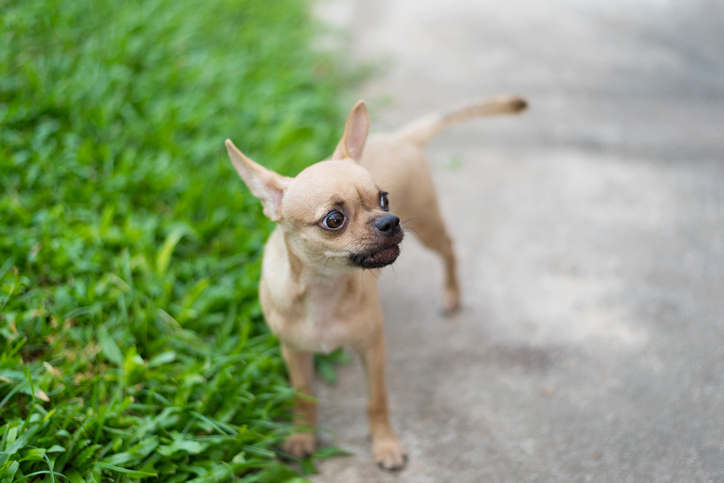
{"points": [[423, 130]]}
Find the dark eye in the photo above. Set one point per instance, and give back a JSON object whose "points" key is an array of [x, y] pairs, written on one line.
{"points": [[384, 202], [333, 220]]}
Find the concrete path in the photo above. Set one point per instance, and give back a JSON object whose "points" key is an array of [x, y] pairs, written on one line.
{"points": [[590, 232]]}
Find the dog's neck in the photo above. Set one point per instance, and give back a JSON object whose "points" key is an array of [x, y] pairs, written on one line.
{"points": [[295, 286], [306, 272]]}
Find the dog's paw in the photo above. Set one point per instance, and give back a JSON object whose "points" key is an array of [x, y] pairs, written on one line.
{"points": [[389, 454], [299, 445], [450, 300]]}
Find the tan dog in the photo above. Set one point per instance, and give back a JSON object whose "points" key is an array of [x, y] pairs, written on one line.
{"points": [[333, 220]]}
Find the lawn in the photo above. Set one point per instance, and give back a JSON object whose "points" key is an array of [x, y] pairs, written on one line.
{"points": [[132, 343]]}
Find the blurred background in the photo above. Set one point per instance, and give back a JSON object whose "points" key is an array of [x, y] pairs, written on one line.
{"points": [[132, 341], [589, 231]]}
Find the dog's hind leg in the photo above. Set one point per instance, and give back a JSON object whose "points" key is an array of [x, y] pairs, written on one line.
{"points": [[301, 374], [430, 230]]}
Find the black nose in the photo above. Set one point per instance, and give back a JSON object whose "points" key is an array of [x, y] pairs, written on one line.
{"points": [[389, 225]]}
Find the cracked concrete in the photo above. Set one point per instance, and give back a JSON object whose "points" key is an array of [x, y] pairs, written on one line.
{"points": [[590, 234]]}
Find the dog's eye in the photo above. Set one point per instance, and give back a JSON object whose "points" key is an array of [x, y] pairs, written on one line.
{"points": [[333, 220], [384, 202]]}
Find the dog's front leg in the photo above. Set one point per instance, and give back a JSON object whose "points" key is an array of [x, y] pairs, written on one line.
{"points": [[386, 448], [300, 366]]}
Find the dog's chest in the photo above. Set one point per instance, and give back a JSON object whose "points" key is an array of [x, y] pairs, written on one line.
{"points": [[321, 321], [317, 328], [322, 330]]}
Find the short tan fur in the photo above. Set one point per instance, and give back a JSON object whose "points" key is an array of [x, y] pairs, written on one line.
{"points": [[334, 220]]}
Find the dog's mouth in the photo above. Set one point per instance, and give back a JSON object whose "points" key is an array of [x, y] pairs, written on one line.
{"points": [[376, 259]]}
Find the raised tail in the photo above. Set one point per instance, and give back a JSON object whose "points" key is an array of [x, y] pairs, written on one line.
{"points": [[423, 130]]}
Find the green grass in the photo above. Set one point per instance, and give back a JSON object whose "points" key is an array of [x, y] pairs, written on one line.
{"points": [[132, 343]]}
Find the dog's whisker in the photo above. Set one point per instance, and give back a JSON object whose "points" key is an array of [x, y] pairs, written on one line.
{"points": [[375, 273], [325, 265], [411, 219]]}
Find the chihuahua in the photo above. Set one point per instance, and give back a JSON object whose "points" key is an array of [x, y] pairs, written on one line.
{"points": [[334, 221]]}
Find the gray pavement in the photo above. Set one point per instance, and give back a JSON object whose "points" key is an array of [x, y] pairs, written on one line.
{"points": [[590, 233]]}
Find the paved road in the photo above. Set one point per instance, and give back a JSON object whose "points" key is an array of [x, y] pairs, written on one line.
{"points": [[590, 233]]}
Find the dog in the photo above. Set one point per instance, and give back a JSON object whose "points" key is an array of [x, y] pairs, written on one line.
{"points": [[333, 222]]}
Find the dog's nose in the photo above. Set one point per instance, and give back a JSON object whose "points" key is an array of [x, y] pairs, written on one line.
{"points": [[389, 225]]}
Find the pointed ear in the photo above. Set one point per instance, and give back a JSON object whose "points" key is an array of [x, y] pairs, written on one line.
{"points": [[355, 134], [265, 184]]}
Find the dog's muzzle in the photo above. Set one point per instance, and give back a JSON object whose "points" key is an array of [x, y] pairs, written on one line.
{"points": [[390, 234], [376, 259]]}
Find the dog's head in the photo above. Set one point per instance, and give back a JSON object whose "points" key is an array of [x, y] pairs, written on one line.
{"points": [[335, 217]]}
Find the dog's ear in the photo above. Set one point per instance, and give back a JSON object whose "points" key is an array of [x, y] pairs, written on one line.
{"points": [[265, 184], [355, 134]]}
